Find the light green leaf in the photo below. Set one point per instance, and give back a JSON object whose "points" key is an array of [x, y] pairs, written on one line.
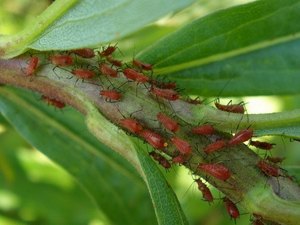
{"points": [[62, 136], [88, 23], [250, 49]]}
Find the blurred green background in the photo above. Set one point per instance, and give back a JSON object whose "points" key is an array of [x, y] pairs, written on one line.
{"points": [[34, 190]]}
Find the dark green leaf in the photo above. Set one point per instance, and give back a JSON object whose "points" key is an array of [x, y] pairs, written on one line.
{"points": [[250, 49]]}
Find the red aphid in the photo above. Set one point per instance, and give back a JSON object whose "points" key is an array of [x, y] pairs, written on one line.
{"points": [[167, 122], [215, 146], [241, 136], [218, 171], [233, 108], [160, 159], [114, 62], [154, 139], [111, 95], [54, 102], [231, 208], [206, 129], [83, 73], [163, 85], [206, 193], [275, 159], [180, 159], [142, 65], [257, 221], [61, 60], [169, 85], [132, 74], [84, 52], [168, 94], [32, 65], [108, 51], [131, 124], [195, 101], [182, 146], [268, 169], [262, 145], [107, 70]]}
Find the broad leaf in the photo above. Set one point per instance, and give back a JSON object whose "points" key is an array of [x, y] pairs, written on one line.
{"points": [[87, 23], [245, 50]]}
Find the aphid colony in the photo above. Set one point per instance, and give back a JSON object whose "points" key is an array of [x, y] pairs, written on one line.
{"points": [[112, 68]]}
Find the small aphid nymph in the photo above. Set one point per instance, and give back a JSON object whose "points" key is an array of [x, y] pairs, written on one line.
{"points": [[132, 125], [168, 94], [169, 123], [231, 208], [111, 95], [205, 129], [141, 65], [233, 108], [83, 73], [216, 170], [182, 146], [32, 66], [84, 52], [61, 60], [241, 136], [261, 145], [54, 102], [215, 146]]}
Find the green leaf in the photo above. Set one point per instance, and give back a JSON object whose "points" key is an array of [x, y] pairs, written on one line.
{"points": [[251, 49], [167, 207], [88, 23], [62, 136]]}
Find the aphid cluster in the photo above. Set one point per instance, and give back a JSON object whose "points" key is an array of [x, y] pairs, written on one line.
{"points": [[170, 128]]}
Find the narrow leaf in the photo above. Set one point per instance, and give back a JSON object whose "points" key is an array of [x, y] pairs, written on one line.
{"points": [[166, 205]]}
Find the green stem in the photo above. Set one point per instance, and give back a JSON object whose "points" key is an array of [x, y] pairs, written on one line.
{"points": [[246, 181], [230, 122]]}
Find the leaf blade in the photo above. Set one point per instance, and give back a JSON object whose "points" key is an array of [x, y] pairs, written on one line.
{"points": [[92, 23], [167, 207], [212, 52]]}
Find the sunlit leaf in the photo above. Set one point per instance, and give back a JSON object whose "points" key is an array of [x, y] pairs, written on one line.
{"points": [[87, 23]]}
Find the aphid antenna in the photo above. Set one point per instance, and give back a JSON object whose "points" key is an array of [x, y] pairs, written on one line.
{"points": [[191, 186], [118, 49], [55, 67], [225, 86], [203, 155], [111, 84], [158, 102]]}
